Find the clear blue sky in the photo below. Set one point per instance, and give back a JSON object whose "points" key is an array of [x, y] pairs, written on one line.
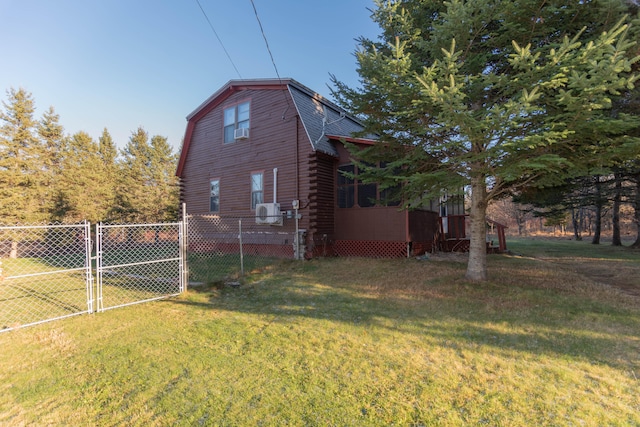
{"points": [[122, 64]]}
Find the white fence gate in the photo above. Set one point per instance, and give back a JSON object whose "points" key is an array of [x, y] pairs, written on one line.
{"points": [[47, 272], [137, 263]]}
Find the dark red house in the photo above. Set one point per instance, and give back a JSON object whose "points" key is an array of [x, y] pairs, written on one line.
{"points": [[255, 147]]}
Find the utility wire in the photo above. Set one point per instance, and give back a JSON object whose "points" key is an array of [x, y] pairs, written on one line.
{"points": [[220, 41], [266, 42], [265, 39]]}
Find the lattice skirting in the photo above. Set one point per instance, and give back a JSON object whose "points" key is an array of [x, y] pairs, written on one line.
{"points": [[370, 249]]}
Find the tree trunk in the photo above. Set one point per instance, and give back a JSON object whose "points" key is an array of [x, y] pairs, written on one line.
{"points": [[597, 228], [477, 265], [520, 223], [14, 249], [636, 211], [615, 218], [576, 225]]}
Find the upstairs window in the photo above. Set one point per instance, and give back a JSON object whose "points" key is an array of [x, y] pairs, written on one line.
{"points": [[256, 189], [235, 117], [214, 196]]}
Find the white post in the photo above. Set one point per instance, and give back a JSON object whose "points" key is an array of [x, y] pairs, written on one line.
{"points": [[275, 185], [241, 254], [183, 249]]}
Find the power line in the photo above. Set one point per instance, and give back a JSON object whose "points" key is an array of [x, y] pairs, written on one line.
{"points": [[265, 39], [266, 42], [220, 41]]}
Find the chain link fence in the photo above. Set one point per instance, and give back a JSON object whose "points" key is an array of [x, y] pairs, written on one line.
{"points": [[138, 263], [45, 273], [225, 248]]}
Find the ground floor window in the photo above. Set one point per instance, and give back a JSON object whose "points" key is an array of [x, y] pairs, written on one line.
{"points": [[346, 186], [214, 195], [257, 189]]}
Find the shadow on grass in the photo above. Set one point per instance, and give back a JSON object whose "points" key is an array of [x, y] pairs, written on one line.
{"points": [[440, 308]]}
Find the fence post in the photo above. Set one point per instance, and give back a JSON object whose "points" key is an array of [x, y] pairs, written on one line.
{"points": [[296, 250], [99, 306], [88, 266], [241, 253], [183, 249]]}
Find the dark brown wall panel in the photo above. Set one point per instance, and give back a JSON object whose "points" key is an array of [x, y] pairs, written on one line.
{"points": [[374, 223]]}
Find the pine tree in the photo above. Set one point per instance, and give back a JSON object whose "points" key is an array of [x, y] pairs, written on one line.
{"points": [[21, 162], [165, 183], [108, 154], [493, 95], [147, 187], [82, 193], [52, 138]]}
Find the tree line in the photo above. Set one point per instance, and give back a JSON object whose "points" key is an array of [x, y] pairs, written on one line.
{"points": [[47, 175]]}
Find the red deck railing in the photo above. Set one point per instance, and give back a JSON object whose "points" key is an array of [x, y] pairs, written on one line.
{"points": [[453, 228]]}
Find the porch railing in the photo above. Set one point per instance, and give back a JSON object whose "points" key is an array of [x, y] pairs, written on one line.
{"points": [[454, 227]]}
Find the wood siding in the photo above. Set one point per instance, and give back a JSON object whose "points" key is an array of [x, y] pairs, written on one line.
{"points": [[321, 200], [423, 230], [375, 223], [276, 140]]}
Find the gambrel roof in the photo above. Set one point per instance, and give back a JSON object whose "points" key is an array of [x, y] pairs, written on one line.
{"points": [[320, 117]]}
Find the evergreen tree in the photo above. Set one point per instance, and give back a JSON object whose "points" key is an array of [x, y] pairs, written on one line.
{"points": [[83, 193], [107, 149], [493, 94], [108, 154], [21, 162], [51, 134], [164, 182], [147, 188]]}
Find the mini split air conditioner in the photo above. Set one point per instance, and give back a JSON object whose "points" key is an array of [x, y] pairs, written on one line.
{"points": [[268, 213], [241, 133]]}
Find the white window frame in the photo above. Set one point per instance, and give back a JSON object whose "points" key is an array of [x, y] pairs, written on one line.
{"points": [[257, 188], [235, 117], [211, 195]]}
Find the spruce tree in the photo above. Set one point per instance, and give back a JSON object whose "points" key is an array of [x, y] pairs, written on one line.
{"points": [[52, 138], [490, 95], [82, 193], [147, 189], [21, 162], [108, 155]]}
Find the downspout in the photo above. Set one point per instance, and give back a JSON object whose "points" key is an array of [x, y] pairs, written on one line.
{"points": [[275, 185], [297, 158]]}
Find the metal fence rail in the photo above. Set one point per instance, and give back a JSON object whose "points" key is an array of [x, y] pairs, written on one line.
{"points": [[138, 263], [45, 273]]}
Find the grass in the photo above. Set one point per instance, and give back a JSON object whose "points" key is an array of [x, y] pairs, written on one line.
{"points": [[212, 267], [347, 342]]}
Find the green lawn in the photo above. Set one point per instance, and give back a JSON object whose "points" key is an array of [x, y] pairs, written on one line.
{"points": [[348, 342]]}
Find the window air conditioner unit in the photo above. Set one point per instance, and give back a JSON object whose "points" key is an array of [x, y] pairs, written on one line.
{"points": [[241, 133], [268, 213]]}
